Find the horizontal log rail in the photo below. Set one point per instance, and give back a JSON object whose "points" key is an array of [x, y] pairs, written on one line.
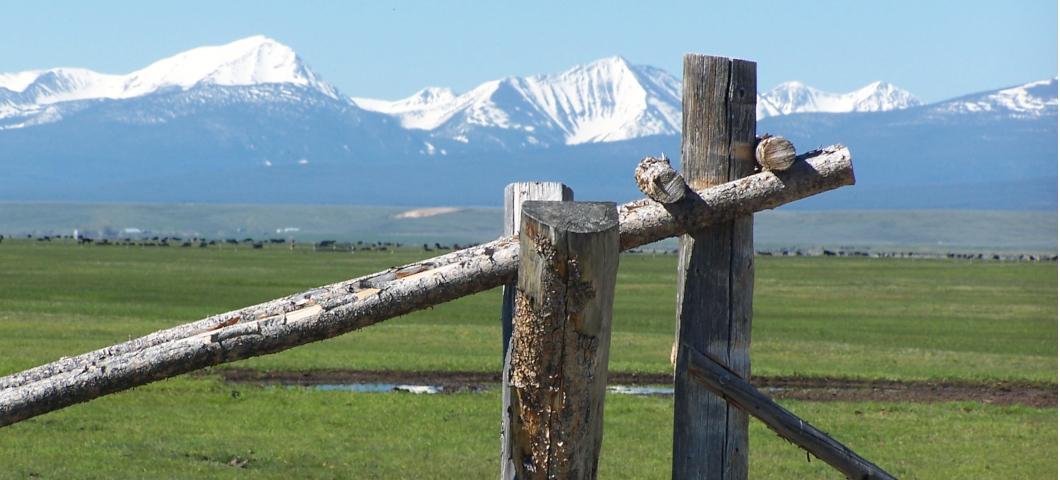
{"points": [[737, 391], [342, 307]]}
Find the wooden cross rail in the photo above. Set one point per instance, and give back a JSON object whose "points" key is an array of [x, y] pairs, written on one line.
{"points": [[342, 307], [735, 390]]}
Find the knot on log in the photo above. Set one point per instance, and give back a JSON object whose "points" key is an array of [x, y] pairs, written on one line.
{"points": [[659, 181]]}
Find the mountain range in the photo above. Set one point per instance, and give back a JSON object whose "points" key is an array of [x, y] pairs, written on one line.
{"points": [[250, 122]]}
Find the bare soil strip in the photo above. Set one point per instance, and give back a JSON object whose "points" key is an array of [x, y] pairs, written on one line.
{"points": [[796, 388]]}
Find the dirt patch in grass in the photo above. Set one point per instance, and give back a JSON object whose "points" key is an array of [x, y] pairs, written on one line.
{"points": [[796, 388]]}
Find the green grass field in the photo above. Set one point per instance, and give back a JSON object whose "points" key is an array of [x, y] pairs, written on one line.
{"points": [[194, 428], [826, 316]]}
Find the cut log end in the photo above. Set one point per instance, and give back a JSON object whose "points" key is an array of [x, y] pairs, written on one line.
{"points": [[775, 153], [576, 217], [659, 181]]}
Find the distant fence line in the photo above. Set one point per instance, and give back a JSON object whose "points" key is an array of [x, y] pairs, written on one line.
{"points": [[333, 246]]}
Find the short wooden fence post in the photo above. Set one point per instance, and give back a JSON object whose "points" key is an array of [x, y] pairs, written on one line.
{"points": [[561, 336], [715, 274]]}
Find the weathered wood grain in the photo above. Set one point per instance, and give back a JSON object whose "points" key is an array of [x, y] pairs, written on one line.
{"points": [[514, 196], [281, 324], [775, 153], [659, 181], [717, 378], [715, 277], [562, 335]]}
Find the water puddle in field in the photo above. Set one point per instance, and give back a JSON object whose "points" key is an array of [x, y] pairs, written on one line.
{"points": [[380, 388], [795, 388], [647, 391], [436, 389]]}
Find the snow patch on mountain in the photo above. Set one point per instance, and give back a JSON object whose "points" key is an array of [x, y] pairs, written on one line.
{"points": [[424, 110], [795, 97]]}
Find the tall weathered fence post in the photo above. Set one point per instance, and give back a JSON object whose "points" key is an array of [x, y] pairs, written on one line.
{"points": [[715, 268], [514, 196], [561, 337]]}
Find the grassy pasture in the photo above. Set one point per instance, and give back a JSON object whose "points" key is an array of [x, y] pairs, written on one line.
{"points": [[840, 317], [196, 428]]}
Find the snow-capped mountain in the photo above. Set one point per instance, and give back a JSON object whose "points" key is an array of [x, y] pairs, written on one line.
{"points": [[251, 122], [255, 60], [603, 101], [606, 100], [1033, 99], [795, 97]]}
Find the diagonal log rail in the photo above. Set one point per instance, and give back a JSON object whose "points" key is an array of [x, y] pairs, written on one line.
{"points": [[737, 391], [342, 307]]}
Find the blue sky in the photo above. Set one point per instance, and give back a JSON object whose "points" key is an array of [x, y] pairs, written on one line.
{"points": [[390, 49]]}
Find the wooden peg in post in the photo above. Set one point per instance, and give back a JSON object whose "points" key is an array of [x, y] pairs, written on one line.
{"points": [[774, 153], [659, 181]]}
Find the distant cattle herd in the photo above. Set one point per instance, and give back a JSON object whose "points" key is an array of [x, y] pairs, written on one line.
{"points": [[380, 246]]}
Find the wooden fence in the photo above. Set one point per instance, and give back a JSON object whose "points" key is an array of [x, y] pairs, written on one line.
{"points": [[558, 262]]}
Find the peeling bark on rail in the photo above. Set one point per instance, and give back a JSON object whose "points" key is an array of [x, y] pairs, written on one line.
{"points": [[338, 308]]}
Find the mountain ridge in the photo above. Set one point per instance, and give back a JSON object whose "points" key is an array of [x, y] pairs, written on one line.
{"points": [[609, 99], [228, 131]]}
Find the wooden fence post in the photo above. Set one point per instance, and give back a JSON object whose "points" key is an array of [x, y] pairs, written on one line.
{"points": [[561, 337], [514, 196], [715, 268]]}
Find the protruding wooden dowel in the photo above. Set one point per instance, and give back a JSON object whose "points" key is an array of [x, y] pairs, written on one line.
{"points": [[659, 181], [561, 337], [774, 153]]}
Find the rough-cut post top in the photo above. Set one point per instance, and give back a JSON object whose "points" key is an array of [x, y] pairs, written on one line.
{"points": [[577, 217]]}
